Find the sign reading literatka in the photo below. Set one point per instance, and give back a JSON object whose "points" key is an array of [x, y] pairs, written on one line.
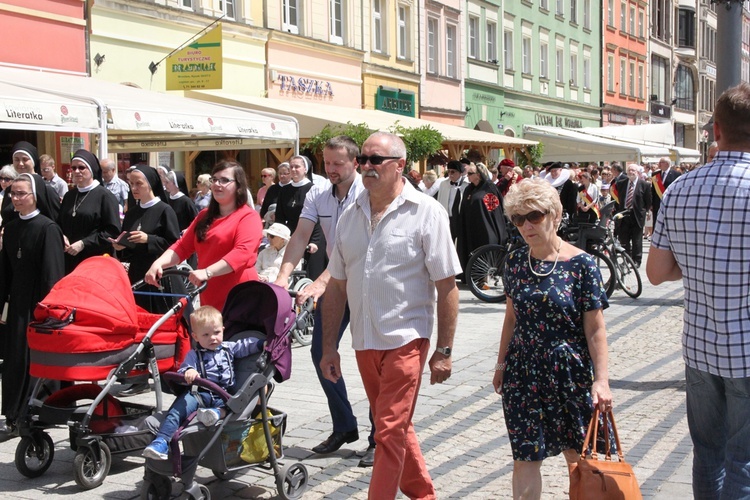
{"points": [[198, 65]]}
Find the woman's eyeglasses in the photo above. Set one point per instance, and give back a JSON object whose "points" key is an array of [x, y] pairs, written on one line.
{"points": [[534, 217], [221, 181], [374, 159], [6, 179], [76, 168], [19, 194]]}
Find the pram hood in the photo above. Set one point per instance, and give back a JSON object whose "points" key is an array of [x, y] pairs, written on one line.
{"points": [[99, 292], [267, 308]]}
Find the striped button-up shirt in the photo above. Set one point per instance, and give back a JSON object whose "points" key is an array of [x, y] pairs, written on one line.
{"points": [[391, 271], [705, 221]]}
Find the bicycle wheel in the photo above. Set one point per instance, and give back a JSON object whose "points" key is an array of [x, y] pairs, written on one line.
{"points": [[607, 269], [627, 274], [485, 269]]}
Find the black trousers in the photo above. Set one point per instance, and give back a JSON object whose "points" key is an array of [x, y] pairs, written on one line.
{"points": [[631, 237]]}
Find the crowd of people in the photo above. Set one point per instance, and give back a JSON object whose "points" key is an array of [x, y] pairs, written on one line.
{"points": [[385, 246]]}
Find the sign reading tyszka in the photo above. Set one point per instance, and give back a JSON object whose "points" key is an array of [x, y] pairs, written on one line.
{"points": [[197, 65]]}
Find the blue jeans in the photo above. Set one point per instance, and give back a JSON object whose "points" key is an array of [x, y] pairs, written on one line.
{"points": [[718, 411], [338, 402], [185, 404]]}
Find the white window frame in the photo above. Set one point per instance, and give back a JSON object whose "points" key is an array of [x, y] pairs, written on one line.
{"points": [[474, 37], [623, 75], [559, 65], [632, 20], [611, 72], [543, 59], [186, 4], [451, 34], [403, 32], [336, 26], [508, 49], [574, 11], [587, 14], [560, 7], [544, 4], [491, 41], [623, 16], [526, 55], [631, 80], [225, 6], [641, 80], [433, 45], [287, 8], [611, 13], [641, 23], [574, 69], [377, 26], [586, 73]]}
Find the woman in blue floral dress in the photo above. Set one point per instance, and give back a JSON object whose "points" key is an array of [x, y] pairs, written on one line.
{"points": [[552, 363]]}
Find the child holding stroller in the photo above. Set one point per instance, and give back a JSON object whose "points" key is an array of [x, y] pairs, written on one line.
{"points": [[212, 359]]}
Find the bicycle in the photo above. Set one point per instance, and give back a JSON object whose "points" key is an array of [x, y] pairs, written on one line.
{"points": [[485, 268], [628, 276]]}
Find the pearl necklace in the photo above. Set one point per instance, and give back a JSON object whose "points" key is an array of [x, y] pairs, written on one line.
{"points": [[542, 275]]}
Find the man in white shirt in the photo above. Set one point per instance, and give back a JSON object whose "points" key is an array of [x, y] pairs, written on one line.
{"points": [[392, 251], [324, 204], [49, 174], [450, 191], [116, 186]]}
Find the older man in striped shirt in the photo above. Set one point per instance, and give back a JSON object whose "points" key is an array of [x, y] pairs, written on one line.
{"points": [[393, 250]]}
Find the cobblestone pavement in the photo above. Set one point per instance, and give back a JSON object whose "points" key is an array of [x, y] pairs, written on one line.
{"points": [[459, 423]]}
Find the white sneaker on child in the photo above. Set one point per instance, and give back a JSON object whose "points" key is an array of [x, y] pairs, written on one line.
{"points": [[208, 416]]}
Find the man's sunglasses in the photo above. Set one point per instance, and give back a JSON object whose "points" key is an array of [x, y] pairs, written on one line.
{"points": [[374, 159], [534, 217]]}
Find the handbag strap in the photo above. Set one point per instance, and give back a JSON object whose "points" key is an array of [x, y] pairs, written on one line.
{"points": [[608, 418]]}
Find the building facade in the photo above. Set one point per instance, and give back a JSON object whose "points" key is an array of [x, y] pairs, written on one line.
{"points": [[550, 60], [625, 62]]}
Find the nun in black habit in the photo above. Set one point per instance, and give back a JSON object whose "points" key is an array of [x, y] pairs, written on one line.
{"points": [[26, 160], [482, 220], [179, 200], [89, 215], [151, 227], [31, 262]]}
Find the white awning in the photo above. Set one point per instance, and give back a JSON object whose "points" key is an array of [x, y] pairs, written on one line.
{"points": [[650, 134], [313, 117], [562, 144], [27, 109], [142, 120]]}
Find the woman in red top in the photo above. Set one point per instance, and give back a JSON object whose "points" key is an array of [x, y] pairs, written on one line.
{"points": [[226, 237]]}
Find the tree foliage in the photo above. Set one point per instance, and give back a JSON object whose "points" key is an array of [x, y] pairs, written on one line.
{"points": [[358, 132], [531, 155], [421, 142]]}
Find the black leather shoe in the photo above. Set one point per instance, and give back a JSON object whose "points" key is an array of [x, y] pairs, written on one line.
{"points": [[368, 458], [335, 441], [135, 389]]}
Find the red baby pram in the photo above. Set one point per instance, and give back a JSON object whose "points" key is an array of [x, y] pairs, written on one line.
{"points": [[89, 329]]}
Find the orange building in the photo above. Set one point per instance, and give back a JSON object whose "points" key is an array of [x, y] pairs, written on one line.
{"points": [[625, 62]]}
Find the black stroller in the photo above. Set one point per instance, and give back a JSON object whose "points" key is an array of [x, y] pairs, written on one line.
{"points": [[251, 433]]}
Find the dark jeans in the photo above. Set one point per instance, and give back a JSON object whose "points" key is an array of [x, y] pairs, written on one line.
{"points": [[338, 401], [717, 410]]}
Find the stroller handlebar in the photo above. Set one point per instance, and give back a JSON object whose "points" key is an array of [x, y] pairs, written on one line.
{"points": [[175, 271], [179, 379]]}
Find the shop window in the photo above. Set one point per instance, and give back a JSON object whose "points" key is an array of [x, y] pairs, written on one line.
{"points": [[290, 16], [337, 22]]}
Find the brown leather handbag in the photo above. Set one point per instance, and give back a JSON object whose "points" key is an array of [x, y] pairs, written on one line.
{"points": [[595, 479]]}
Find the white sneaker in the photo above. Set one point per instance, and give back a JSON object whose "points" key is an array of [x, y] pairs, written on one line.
{"points": [[208, 416]]}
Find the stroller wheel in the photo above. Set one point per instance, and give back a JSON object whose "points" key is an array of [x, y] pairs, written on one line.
{"points": [[156, 488], [90, 473], [225, 476], [292, 481], [34, 454]]}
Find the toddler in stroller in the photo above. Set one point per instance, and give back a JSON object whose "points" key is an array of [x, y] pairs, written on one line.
{"points": [[212, 360]]}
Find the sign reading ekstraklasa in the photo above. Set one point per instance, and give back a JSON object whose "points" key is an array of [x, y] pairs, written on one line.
{"points": [[198, 65]]}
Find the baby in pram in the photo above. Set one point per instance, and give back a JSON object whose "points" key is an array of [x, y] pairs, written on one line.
{"points": [[212, 360]]}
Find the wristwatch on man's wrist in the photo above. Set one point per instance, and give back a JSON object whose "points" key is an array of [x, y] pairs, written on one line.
{"points": [[445, 351]]}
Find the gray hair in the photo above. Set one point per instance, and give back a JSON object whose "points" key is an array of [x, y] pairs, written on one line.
{"points": [[8, 171], [482, 171], [398, 148]]}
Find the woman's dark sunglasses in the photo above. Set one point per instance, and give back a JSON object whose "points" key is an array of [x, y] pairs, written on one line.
{"points": [[5, 179], [534, 217], [374, 159]]}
